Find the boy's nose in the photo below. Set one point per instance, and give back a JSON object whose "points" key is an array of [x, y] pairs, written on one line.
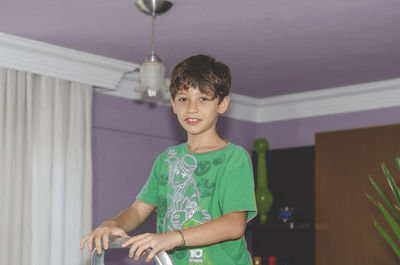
{"points": [[193, 108]]}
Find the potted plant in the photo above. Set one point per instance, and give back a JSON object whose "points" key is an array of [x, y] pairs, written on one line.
{"points": [[390, 211]]}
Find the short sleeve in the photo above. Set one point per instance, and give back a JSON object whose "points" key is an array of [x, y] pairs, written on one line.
{"points": [[237, 185], [149, 192]]}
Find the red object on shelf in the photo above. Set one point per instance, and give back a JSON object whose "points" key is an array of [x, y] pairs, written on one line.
{"points": [[271, 260]]}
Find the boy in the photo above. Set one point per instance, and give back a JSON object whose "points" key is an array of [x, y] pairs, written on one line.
{"points": [[203, 189]]}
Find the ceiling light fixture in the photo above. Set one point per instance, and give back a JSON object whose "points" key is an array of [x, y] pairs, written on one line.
{"points": [[152, 70]]}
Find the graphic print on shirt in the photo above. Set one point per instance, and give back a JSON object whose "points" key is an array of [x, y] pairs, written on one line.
{"points": [[185, 197]]}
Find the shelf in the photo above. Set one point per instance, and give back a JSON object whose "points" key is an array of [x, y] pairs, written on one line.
{"points": [[281, 227]]}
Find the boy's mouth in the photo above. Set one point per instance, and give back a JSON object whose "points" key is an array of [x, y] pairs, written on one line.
{"points": [[192, 121]]}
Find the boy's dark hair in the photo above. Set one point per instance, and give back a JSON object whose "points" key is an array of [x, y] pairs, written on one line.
{"points": [[202, 72]]}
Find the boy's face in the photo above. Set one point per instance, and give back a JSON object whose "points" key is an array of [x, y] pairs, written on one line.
{"points": [[198, 112]]}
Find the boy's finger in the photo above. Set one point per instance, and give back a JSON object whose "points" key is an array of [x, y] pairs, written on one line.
{"points": [[139, 252], [132, 249], [97, 241], [132, 252], [105, 241], [128, 242], [90, 242], [151, 255], [83, 242], [143, 248]]}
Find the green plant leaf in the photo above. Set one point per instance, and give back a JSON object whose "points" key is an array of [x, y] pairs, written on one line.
{"points": [[385, 199], [397, 160], [392, 183], [388, 239], [393, 224], [397, 207], [389, 218], [371, 199]]}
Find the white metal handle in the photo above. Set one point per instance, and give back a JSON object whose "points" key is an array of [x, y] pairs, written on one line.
{"points": [[161, 258]]}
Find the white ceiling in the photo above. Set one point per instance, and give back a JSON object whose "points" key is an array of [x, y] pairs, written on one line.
{"points": [[273, 47]]}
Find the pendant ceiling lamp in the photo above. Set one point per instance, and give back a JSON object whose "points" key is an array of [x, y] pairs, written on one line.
{"points": [[152, 70]]}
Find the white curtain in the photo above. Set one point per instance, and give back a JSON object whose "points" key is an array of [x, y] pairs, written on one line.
{"points": [[45, 169]]}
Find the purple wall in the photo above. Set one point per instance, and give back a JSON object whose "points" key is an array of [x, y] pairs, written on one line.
{"points": [[292, 133]]}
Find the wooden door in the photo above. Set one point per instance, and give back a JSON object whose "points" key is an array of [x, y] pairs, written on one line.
{"points": [[345, 233]]}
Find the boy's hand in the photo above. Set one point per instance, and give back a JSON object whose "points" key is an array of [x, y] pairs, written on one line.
{"points": [[102, 234], [156, 242]]}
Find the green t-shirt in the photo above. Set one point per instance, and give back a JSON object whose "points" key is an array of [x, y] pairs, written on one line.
{"points": [[190, 189]]}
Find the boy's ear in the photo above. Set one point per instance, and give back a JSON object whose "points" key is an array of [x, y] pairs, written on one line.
{"points": [[223, 105], [173, 105]]}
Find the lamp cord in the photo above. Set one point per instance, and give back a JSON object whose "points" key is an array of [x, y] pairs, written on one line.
{"points": [[153, 19]]}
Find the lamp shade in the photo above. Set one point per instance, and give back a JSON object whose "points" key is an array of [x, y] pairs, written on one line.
{"points": [[152, 75]]}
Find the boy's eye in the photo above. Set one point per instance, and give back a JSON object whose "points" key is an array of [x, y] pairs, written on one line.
{"points": [[203, 99], [182, 99]]}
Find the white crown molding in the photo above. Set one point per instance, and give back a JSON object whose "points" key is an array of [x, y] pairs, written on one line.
{"points": [[361, 97], [105, 73], [50, 60]]}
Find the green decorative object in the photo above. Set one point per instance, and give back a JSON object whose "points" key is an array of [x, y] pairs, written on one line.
{"points": [[264, 196], [388, 209]]}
